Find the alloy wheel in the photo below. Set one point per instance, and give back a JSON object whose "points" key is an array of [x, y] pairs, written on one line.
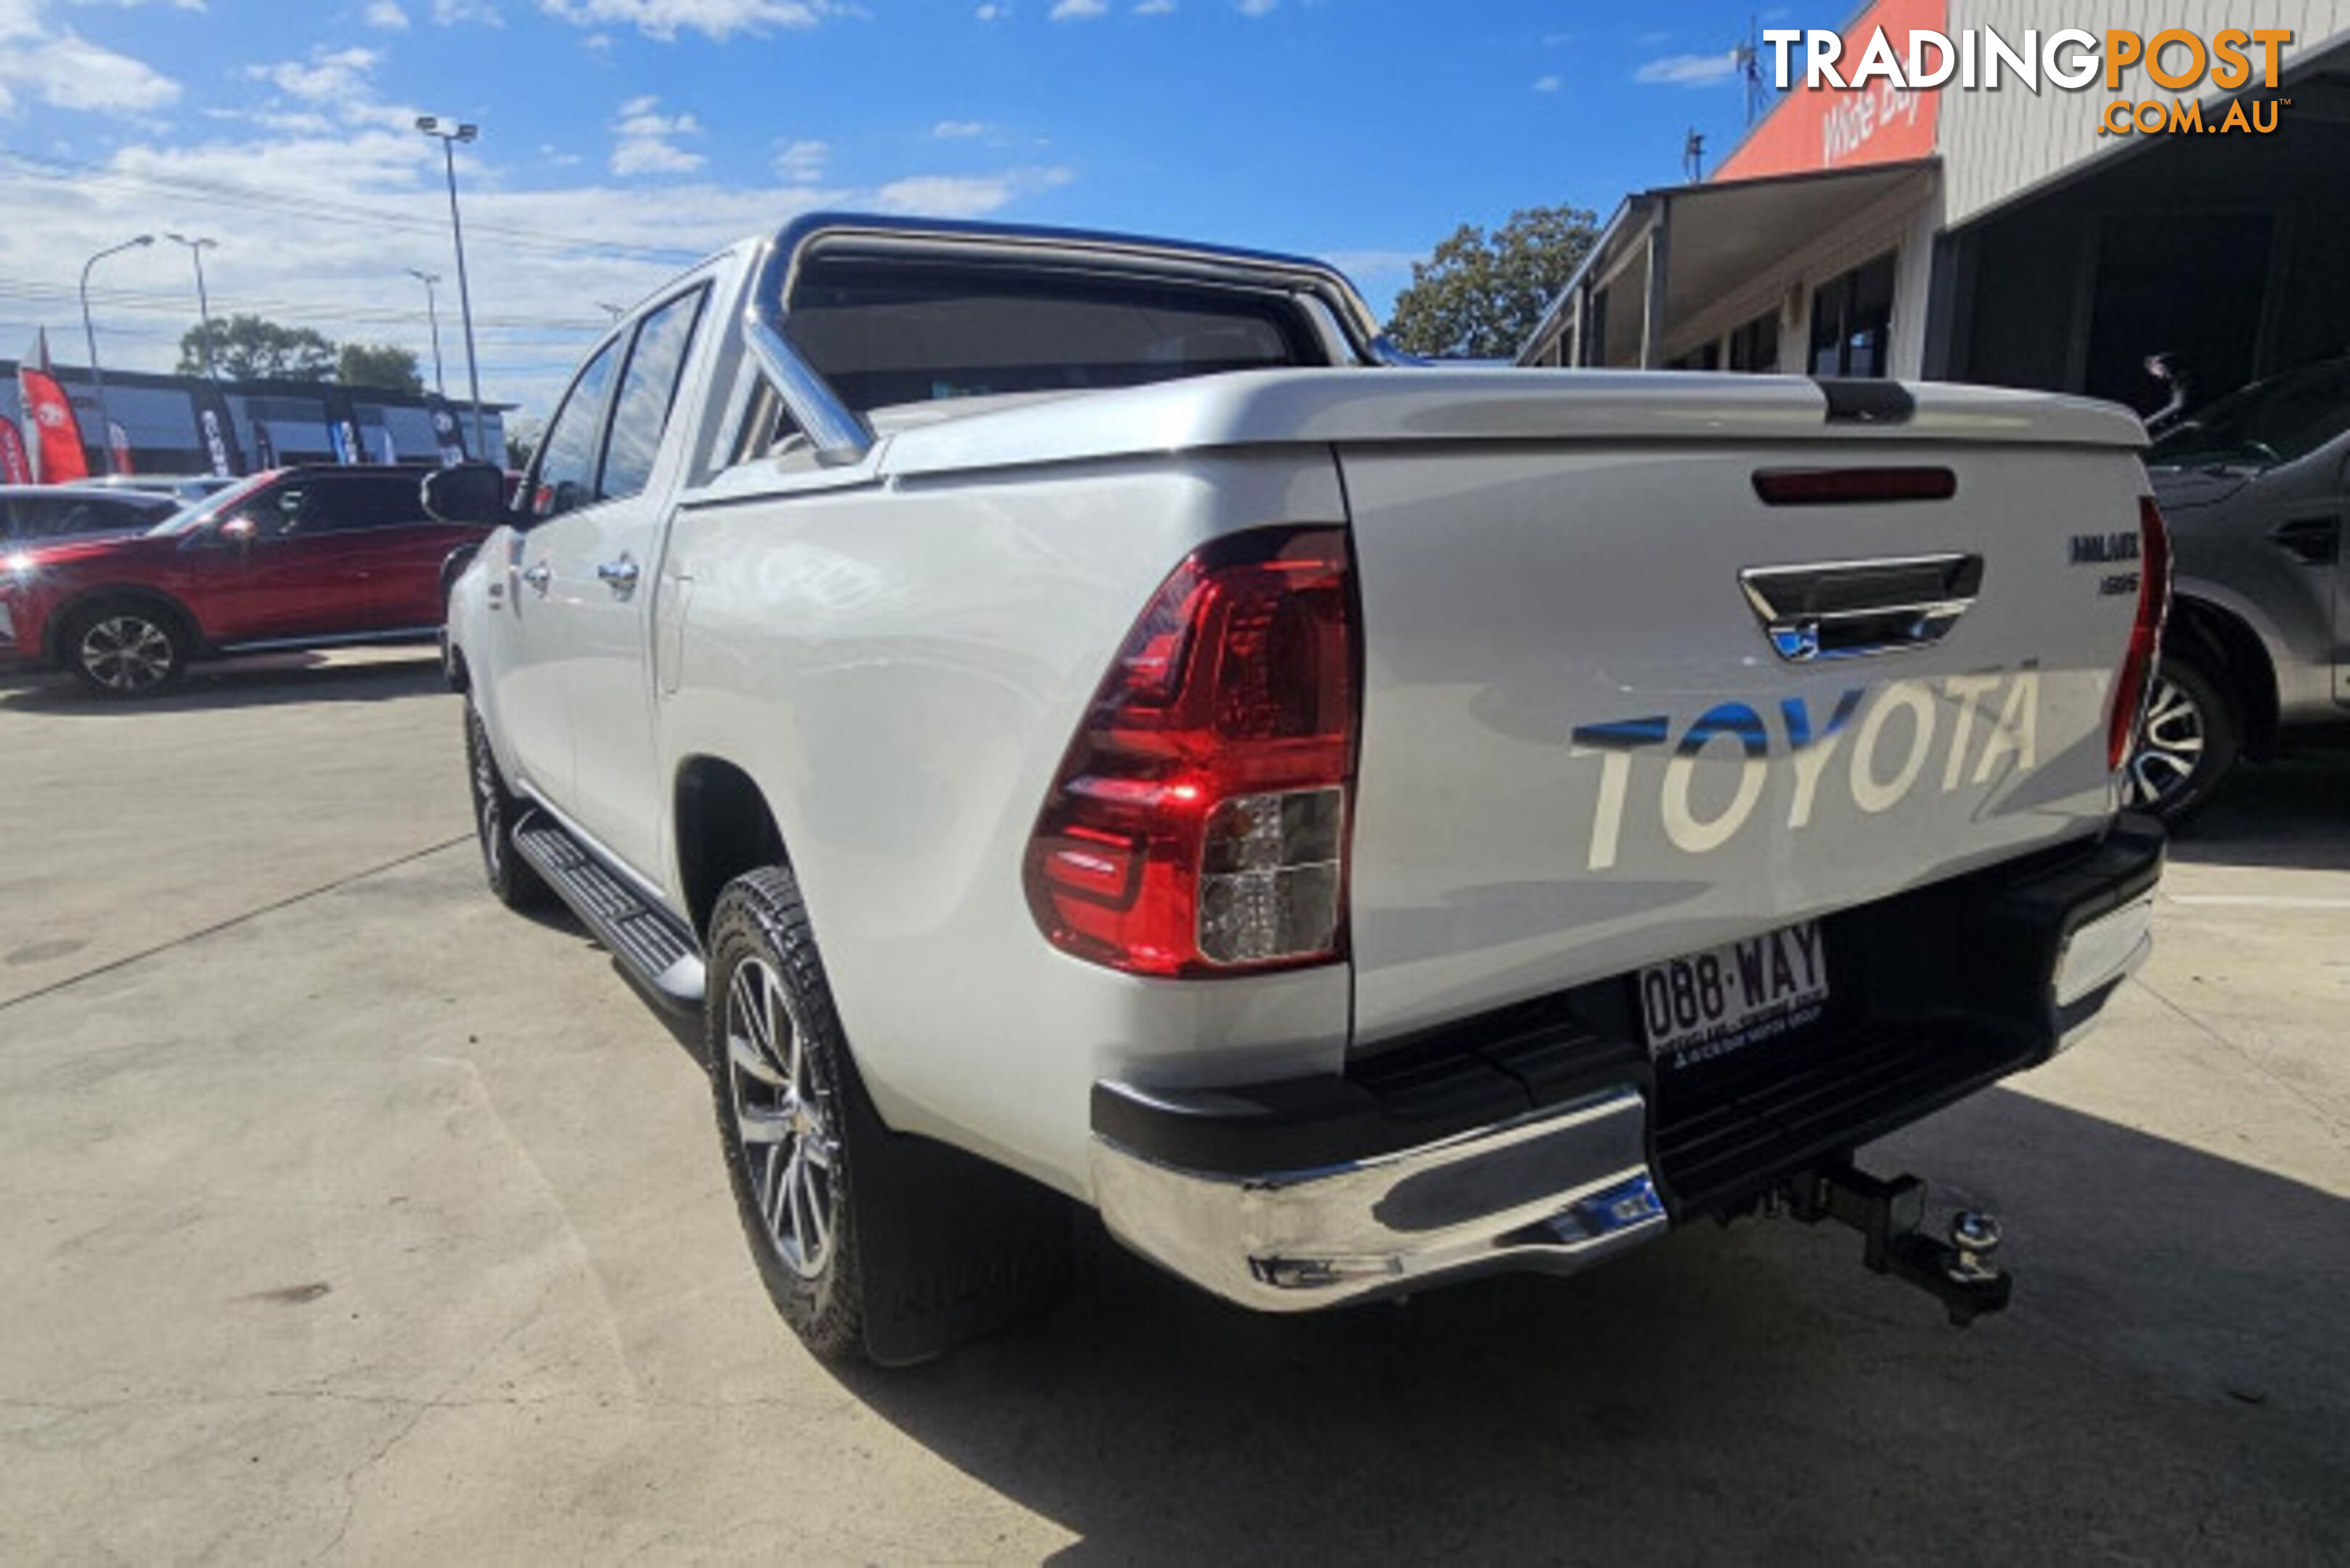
{"points": [[2169, 744], [779, 1102], [126, 653]]}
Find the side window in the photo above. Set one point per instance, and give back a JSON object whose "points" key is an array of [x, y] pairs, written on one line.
{"points": [[567, 463], [353, 503], [641, 413], [273, 512]]}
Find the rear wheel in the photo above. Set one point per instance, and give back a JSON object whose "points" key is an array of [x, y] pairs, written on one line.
{"points": [[126, 649], [785, 1092], [2186, 745]]}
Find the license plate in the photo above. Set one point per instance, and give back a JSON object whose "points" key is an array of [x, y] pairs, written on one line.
{"points": [[1711, 1003]]}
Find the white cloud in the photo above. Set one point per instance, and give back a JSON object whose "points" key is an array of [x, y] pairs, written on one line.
{"points": [[1687, 70], [715, 19], [1155, 9], [1547, 84], [1359, 265], [371, 202], [386, 16], [646, 141], [337, 77], [62, 68], [1254, 7], [959, 129], [963, 196], [450, 13], [803, 163], [993, 12], [1078, 10]]}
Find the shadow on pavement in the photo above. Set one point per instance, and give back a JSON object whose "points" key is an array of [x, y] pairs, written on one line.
{"points": [[2291, 813], [2170, 1384], [260, 681]]}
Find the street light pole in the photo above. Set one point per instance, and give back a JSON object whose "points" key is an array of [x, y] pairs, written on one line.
{"points": [[89, 335], [196, 249], [432, 314], [450, 133]]}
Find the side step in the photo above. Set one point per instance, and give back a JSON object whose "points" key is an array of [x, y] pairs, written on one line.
{"points": [[659, 952]]}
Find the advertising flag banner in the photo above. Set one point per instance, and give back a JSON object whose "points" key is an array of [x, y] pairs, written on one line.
{"points": [[15, 468], [57, 449], [218, 427], [448, 435], [343, 426]]}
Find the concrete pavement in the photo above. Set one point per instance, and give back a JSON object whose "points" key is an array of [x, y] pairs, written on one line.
{"points": [[350, 1218]]}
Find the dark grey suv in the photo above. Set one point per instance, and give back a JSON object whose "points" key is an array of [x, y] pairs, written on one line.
{"points": [[2255, 487]]}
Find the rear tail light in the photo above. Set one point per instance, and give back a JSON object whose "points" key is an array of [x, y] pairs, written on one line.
{"points": [[1199, 822], [2146, 634]]}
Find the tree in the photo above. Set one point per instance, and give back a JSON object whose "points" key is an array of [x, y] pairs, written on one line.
{"points": [[378, 365], [522, 436], [246, 347], [1481, 296]]}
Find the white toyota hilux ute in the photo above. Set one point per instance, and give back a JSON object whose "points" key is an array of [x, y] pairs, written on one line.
{"points": [[1081, 719]]}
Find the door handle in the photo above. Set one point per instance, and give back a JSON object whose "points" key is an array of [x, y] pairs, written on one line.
{"points": [[539, 576], [620, 575]]}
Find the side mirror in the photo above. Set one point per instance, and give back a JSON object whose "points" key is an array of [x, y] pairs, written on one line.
{"points": [[239, 531], [471, 493]]}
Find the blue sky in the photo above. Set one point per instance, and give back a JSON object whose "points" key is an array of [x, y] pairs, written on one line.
{"points": [[622, 138]]}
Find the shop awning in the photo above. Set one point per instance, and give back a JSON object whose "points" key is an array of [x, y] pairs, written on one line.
{"points": [[1669, 254]]}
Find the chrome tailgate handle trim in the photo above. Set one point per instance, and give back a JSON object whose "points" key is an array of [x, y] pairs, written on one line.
{"points": [[1857, 610]]}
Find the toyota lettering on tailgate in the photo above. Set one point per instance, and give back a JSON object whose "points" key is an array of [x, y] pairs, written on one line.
{"points": [[1887, 738]]}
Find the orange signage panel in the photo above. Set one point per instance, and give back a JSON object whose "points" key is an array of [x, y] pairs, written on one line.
{"points": [[1846, 128]]}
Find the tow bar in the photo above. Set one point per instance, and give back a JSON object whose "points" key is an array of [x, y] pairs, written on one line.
{"points": [[1887, 1214]]}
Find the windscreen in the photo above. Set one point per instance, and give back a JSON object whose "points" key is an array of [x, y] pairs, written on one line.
{"points": [[885, 334], [2267, 422], [216, 506]]}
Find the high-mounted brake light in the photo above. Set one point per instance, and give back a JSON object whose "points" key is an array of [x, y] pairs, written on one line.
{"points": [[1852, 486], [1198, 823], [2146, 634]]}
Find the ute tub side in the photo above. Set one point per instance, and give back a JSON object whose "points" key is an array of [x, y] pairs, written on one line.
{"points": [[899, 664]]}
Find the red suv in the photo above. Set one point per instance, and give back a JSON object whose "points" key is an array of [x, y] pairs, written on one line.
{"points": [[297, 557]]}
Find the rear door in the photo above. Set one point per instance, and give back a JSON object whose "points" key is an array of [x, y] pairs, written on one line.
{"points": [[1585, 751], [375, 522]]}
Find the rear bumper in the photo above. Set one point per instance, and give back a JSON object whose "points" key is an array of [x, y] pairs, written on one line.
{"points": [[1543, 1137]]}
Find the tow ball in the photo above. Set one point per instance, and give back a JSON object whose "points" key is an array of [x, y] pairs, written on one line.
{"points": [[1888, 1215]]}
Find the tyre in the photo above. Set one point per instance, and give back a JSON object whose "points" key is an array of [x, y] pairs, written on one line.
{"points": [[510, 878], [790, 1112], [2187, 744], [126, 649]]}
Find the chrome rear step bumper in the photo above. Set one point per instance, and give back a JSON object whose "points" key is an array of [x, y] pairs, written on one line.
{"points": [[1555, 1191]]}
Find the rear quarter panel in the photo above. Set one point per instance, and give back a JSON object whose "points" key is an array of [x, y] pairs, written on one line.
{"points": [[900, 667]]}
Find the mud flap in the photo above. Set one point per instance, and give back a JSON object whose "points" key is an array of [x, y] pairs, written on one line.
{"points": [[951, 1248]]}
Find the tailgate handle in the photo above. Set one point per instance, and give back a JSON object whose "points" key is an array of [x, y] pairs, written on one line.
{"points": [[1854, 609]]}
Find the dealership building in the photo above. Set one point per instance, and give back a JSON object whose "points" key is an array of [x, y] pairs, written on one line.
{"points": [[192, 424], [2000, 235]]}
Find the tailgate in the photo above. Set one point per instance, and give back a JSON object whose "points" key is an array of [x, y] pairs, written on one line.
{"points": [[1584, 752]]}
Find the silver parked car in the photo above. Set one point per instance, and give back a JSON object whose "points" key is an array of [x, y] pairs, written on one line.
{"points": [[2255, 487]]}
